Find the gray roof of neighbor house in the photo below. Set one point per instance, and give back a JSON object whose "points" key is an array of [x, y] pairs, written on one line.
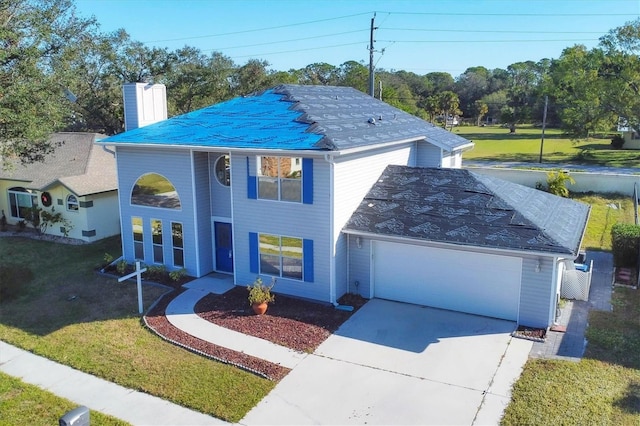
{"points": [[294, 117], [457, 206], [77, 163]]}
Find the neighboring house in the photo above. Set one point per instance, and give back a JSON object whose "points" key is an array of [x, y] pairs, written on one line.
{"points": [[77, 180], [264, 185], [631, 136]]}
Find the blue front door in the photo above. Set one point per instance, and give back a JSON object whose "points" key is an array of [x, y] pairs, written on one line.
{"points": [[224, 247]]}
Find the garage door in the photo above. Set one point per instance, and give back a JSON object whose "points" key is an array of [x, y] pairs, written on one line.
{"points": [[475, 283]]}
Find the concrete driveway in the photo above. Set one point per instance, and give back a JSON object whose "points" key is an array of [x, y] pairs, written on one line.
{"points": [[395, 363]]}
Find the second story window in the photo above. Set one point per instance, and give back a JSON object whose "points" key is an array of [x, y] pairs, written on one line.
{"points": [[280, 178]]}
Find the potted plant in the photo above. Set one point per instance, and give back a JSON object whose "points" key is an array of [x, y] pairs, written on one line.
{"points": [[260, 295]]}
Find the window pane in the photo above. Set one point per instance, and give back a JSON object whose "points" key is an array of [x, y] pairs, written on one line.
{"points": [[136, 226], [268, 166], [270, 264], [268, 188], [176, 233], [291, 190], [138, 250], [72, 203], [154, 190], [156, 231], [158, 255], [222, 170], [292, 247], [178, 257], [292, 268]]}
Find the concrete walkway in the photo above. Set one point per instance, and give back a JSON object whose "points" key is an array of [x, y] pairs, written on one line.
{"points": [[570, 345], [180, 313]]}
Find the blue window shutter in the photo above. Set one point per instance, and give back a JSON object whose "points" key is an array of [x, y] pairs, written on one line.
{"points": [[254, 255], [252, 184], [307, 180], [307, 250]]}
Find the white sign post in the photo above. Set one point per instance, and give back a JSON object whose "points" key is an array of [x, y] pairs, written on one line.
{"points": [[138, 275]]}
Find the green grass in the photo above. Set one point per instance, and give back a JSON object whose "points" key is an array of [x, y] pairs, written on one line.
{"points": [[70, 314], [606, 210], [494, 143], [25, 404], [603, 388]]}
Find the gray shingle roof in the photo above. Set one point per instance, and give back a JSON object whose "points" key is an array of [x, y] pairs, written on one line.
{"points": [[294, 117], [77, 163], [458, 206]]}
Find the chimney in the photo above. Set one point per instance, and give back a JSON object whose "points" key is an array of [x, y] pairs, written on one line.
{"points": [[144, 104]]}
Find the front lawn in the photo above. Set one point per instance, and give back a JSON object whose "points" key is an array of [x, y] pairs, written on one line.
{"points": [[603, 388], [64, 311], [495, 143]]}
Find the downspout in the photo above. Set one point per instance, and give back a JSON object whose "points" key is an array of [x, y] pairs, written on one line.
{"points": [[194, 203], [332, 278]]}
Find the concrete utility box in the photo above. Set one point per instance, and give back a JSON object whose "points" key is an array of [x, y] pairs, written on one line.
{"points": [[76, 417]]}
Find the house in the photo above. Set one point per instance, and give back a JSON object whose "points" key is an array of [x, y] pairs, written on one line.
{"points": [[630, 135], [272, 185], [78, 180]]}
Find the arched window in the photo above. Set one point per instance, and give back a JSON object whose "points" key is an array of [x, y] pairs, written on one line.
{"points": [[21, 202], [154, 190], [222, 170], [72, 203]]}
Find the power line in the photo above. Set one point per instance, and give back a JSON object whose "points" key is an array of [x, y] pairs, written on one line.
{"points": [[258, 29], [491, 31]]}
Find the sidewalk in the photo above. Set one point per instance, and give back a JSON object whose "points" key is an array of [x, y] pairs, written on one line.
{"points": [[97, 394], [570, 345]]}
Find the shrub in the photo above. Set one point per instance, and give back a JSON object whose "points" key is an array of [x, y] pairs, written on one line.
{"points": [[156, 273], [178, 274], [121, 267], [625, 244], [617, 142], [260, 293], [557, 183]]}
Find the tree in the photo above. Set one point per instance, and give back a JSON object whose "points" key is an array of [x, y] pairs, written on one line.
{"points": [[448, 103], [479, 109], [577, 90], [471, 86], [35, 36], [620, 72], [354, 74]]}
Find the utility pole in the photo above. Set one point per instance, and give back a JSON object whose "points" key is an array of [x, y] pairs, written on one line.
{"points": [[371, 77], [544, 124]]}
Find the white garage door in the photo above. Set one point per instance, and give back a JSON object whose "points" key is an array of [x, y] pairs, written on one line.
{"points": [[476, 283]]}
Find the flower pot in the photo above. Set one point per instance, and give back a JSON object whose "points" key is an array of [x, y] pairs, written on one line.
{"points": [[260, 308]]}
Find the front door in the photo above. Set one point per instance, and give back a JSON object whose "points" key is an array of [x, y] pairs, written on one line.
{"points": [[224, 247]]}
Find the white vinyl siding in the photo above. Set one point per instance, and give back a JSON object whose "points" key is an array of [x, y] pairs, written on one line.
{"points": [[202, 199], [176, 166], [428, 155], [537, 295], [353, 177], [220, 194], [305, 221]]}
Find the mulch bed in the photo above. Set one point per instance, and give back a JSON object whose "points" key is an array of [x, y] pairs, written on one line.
{"points": [[297, 324], [156, 320], [529, 333]]}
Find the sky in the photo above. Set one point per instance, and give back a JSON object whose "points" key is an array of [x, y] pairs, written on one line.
{"points": [[420, 36]]}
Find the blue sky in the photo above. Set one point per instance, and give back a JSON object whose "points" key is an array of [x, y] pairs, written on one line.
{"points": [[420, 36]]}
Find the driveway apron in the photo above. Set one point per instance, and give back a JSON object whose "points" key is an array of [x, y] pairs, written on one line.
{"points": [[396, 363]]}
